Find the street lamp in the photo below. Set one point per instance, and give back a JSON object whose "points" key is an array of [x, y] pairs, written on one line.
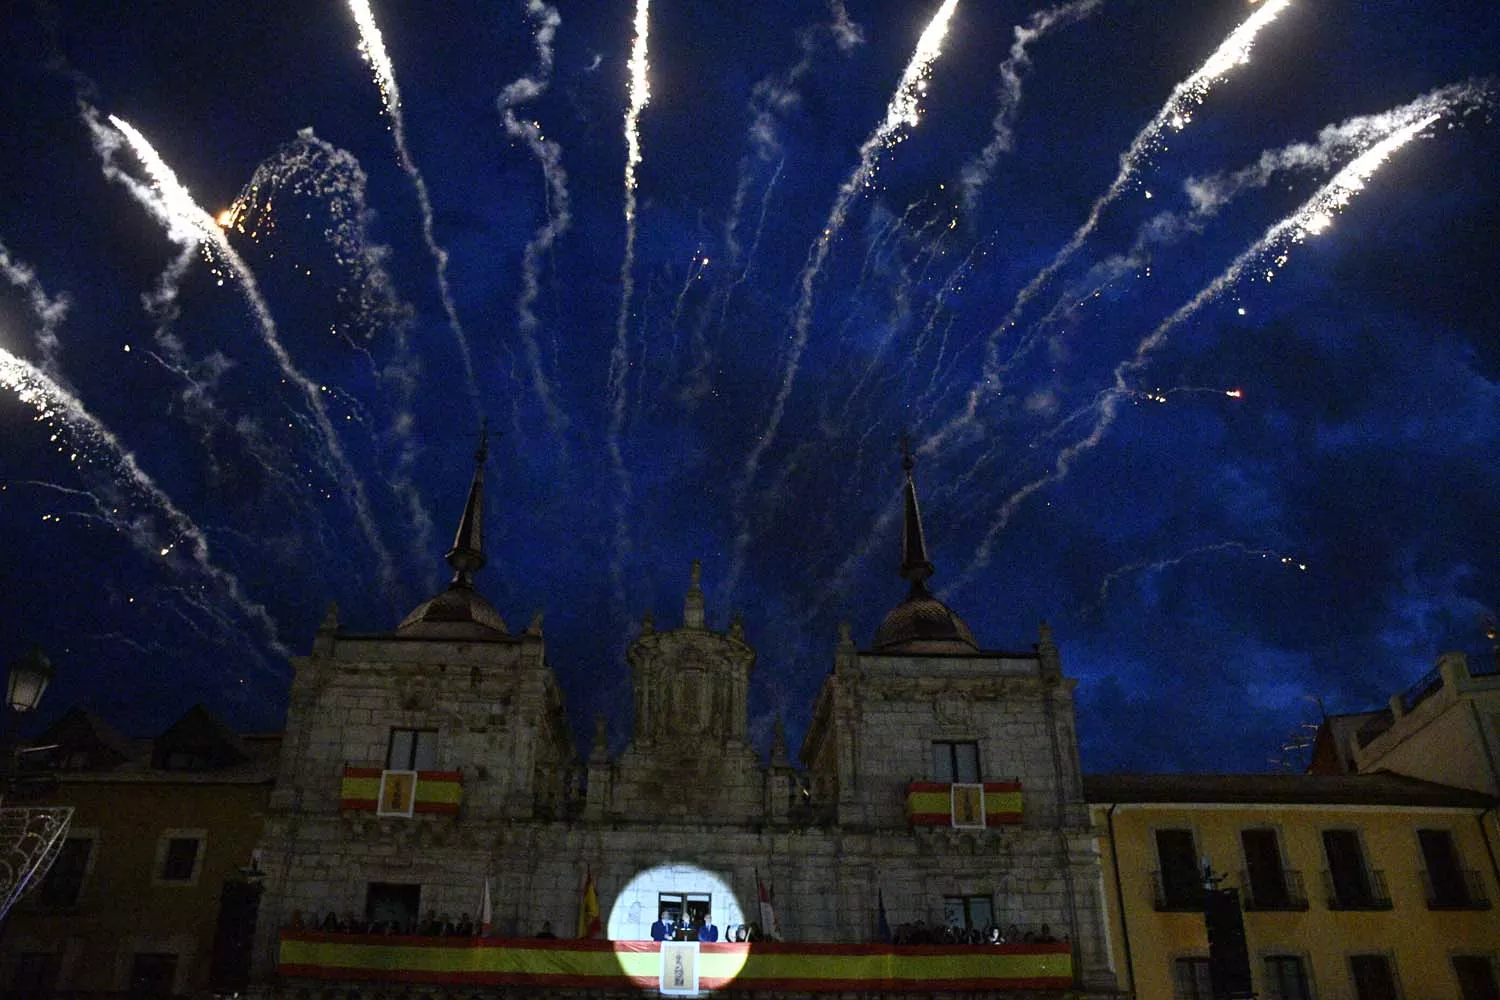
{"points": [[30, 836], [29, 677]]}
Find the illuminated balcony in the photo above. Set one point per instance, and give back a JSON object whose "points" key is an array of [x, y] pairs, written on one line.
{"points": [[639, 965], [400, 793], [938, 803]]}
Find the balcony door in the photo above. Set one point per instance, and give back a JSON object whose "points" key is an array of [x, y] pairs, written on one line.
{"points": [[1444, 872], [1181, 883], [1263, 869], [1346, 867]]}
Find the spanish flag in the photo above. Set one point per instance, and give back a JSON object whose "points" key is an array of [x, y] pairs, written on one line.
{"points": [[588, 909]]}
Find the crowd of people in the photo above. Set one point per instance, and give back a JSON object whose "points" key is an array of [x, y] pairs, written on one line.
{"points": [[432, 925], [921, 932], [672, 927]]}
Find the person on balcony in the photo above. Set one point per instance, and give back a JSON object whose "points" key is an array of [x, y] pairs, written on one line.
{"points": [[706, 930], [662, 930]]}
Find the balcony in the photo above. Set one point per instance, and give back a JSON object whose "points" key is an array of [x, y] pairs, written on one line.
{"points": [[1462, 890], [400, 793], [938, 803], [1368, 893], [1276, 891], [615, 965], [1174, 894]]}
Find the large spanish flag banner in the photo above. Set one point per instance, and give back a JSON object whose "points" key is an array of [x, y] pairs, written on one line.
{"points": [[933, 803], [810, 968], [437, 791]]}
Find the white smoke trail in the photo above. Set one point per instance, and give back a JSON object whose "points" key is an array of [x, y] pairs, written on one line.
{"points": [[1157, 565], [548, 155], [50, 311], [619, 359], [904, 111], [976, 172], [1313, 217], [1212, 193], [372, 47], [93, 443], [188, 224], [1175, 114], [847, 34]]}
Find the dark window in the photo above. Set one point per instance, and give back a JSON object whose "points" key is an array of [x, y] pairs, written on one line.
{"points": [[35, 974], [1286, 978], [1373, 979], [968, 913], [1265, 877], [955, 762], [1180, 886], [152, 975], [1445, 876], [1476, 977], [181, 859], [412, 750], [393, 904], [64, 882], [1350, 883], [1191, 979]]}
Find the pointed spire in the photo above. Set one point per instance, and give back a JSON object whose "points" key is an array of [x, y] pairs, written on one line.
{"points": [[467, 555], [915, 565], [779, 757], [692, 605]]}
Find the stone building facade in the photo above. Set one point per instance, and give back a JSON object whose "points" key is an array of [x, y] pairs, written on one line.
{"points": [[687, 815]]}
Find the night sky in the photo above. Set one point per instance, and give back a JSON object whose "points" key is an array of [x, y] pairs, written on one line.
{"points": [[1145, 392]]}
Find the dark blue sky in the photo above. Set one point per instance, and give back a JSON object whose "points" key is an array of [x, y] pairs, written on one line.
{"points": [[738, 397]]}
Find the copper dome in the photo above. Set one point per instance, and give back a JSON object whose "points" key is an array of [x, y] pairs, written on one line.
{"points": [[923, 624], [456, 613]]}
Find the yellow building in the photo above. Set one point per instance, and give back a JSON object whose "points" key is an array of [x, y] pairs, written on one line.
{"points": [[1366, 887], [147, 895]]}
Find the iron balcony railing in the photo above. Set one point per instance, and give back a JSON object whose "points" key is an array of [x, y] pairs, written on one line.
{"points": [[1368, 893], [1175, 893], [1281, 890], [1448, 893]]}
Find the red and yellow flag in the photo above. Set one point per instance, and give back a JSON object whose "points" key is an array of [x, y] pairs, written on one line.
{"points": [[588, 909]]}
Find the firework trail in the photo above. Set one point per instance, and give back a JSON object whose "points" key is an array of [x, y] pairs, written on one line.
{"points": [[1313, 217], [1175, 114], [1157, 565], [51, 312], [619, 359], [189, 224], [311, 167], [976, 172], [548, 155], [1210, 194], [903, 112], [95, 444], [372, 47]]}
